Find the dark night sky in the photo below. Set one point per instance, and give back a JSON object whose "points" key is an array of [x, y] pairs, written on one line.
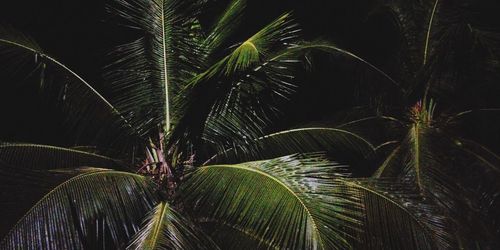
{"points": [[77, 33]]}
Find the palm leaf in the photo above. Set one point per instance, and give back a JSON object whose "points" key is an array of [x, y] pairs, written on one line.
{"points": [[397, 216], [148, 73], [167, 229], [35, 156], [295, 205], [237, 85], [225, 25], [85, 211], [300, 140], [80, 100]]}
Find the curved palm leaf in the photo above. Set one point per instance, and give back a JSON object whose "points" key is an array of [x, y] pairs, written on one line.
{"points": [[81, 101], [35, 156], [167, 229], [72, 215], [397, 216], [225, 25], [289, 202], [300, 140]]}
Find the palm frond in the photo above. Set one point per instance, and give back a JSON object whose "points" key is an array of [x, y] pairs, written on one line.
{"points": [[390, 162], [410, 20], [397, 216], [79, 99], [89, 210], [299, 140], [243, 87], [429, 31], [331, 48], [225, 25], [35, 156], [148, 73], [165, 228], [299, 201]]}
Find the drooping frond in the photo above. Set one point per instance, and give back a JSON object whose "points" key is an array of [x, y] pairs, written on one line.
{"points": [[300, 140], [80, 100], [225, 25], [295, 202], [148, 73], [42, 157], [165, 228], [97, 208], [397, 216], [331, 48]]}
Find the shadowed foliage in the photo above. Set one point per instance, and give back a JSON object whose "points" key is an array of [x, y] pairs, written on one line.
{"points": [[203, 132]]}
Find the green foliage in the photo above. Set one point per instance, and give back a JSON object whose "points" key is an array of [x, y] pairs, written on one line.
{"points": [[193, 122]]}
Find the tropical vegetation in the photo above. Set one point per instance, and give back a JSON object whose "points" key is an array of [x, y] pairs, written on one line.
{"points": [[183, 145]]}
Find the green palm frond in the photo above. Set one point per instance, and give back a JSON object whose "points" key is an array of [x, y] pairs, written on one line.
{"points": [[397, 216], [90, 209], [35, 156], [299, 140], [167, 229], [236, 86], [225, 25], [240, 117], [148, 73], [291, 202]]}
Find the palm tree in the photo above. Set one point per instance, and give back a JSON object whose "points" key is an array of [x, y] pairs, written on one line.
{"points": [[184, 156]]}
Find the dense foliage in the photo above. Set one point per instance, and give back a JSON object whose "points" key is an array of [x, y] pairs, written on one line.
{"points": [[193, 141]]}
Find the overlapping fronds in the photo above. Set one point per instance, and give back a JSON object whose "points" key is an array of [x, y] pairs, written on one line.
{"points": [[80, 100], [299, 140], [240, 117], [397, 216], [148, 73], [164, 228], [35, 156], [243, 87], [94, 209], [295, 202]]}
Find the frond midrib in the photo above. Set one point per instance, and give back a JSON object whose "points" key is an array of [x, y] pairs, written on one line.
{"points": [[158, 226], [165, 69], [9, 145], [319, 128]]}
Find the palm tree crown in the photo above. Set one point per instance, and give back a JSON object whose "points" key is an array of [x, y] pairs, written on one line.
{"points": [[184, 154]]}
